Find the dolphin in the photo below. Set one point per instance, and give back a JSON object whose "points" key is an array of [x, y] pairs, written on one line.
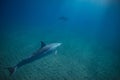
{"points": [[44, 50], [63, 18]]}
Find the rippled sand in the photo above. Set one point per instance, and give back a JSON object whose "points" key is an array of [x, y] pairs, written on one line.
{"points": [[77, 59]]}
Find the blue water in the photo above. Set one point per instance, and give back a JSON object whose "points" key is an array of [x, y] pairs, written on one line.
{"points": [[89, 33]]}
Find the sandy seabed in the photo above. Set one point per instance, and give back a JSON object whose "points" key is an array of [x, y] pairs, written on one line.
{"points": [[77, 59]]}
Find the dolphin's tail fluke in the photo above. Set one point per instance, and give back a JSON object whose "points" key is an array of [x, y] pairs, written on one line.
{"points": [[11, 70]]}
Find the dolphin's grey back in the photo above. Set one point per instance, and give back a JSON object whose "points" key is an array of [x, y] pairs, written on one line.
{"points": [[43, 51]]}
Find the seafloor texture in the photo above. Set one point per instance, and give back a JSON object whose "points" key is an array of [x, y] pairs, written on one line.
{"points": [[79, 57]]}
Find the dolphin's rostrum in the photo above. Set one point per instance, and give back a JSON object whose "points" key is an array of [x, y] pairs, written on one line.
{"points": [[43, 51]]}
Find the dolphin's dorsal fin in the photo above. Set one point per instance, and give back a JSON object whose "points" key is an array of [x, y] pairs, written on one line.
{"points": [[42, 44]]}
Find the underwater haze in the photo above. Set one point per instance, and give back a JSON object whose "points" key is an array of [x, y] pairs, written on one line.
{"points": [[89, 31]]}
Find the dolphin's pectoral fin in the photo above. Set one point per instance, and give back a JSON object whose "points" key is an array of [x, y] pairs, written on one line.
{"points": [[56, 52], [42, 44]]}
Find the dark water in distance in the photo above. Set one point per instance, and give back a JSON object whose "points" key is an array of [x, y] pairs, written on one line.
{"points": [[88, 30]]}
